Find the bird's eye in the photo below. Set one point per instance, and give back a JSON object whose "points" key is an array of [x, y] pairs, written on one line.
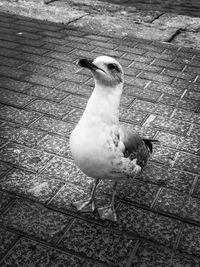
{"points": [[111, 66]]}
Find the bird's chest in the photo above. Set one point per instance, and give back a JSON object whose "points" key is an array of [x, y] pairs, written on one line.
{"points": [[94, 147]]}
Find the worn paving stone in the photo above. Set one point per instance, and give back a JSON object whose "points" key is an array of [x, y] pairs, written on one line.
{"points": [[195, 132], [7, 239], [133, 191], [165, 88], [4, 167], [179, 204], [5, 199], [31, 253], [163, 110], [47, 93], [75, 88], [24, 157], [54, 126], [188, 162], [144, 94], [133, 116], [32, 219], [55, 109], [171, 125], [17, 115], [166, 176], [66, 170], [196, 192], [55, 144], [34, 186], [71, 193], [145, 132], [75, 101], [147, 224], [14, 98], [98, 243], [190, 241], [164, 155], [149, 254], [74, 116], [21, 135], [186, 115], [13, 84]]}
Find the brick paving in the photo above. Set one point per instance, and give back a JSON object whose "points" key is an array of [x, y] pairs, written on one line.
{"points": [[43, 94]]}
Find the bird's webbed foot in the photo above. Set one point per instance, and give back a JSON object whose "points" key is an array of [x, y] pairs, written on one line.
{"points": [[86, 205], [108, 213]]}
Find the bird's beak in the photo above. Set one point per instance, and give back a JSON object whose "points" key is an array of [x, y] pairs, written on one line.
{"points": [[87, 63]]}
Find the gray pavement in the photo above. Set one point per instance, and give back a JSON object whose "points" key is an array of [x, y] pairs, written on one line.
{"points": [[43, 94]]}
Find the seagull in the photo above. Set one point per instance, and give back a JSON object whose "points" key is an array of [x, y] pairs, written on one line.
{"points": [[101, 147]]}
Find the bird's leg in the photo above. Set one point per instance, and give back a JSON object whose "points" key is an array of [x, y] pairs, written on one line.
{"points": [[87, 205], [109, 211]]}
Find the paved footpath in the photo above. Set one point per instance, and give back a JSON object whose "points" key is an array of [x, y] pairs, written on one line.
{"points": [[42, 95]]}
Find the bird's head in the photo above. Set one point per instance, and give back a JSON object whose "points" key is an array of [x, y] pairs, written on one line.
{"points": [[106, 71]]}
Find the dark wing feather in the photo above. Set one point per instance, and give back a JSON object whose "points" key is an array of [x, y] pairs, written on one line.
{"points": [[135, 146]]}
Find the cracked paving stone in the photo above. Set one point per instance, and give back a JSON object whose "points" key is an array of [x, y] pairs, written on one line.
{"points": [[151, 255], [24, 157], [7, 239], [32, 219], [17, 115], [54, 126], [188, 162], [180, 204], [98, 243], [31, 253], [34, 186], [147, 224], [190, 240], [55, 144], [66, 170], [167, 177], [55, 109]]}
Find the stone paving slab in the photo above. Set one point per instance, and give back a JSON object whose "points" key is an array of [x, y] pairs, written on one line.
{"points": [[43, 94]]}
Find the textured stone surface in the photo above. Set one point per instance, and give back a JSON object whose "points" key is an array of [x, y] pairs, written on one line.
{"points": [[33, 219], [189, 241], [168, 177], [31, 185], [147, 224], [98, 243], [149, 254], [6, 241], [179, 204], [30, 253], [24, 157], [44, 93]]}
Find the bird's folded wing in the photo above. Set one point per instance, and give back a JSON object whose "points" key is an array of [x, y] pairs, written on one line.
{"points": [[135, 147]]}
